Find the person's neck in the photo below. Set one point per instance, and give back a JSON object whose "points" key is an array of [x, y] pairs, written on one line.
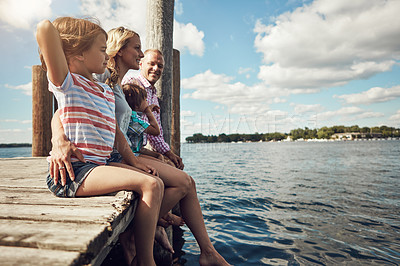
{"points": [[122, 71], [78, 69]]}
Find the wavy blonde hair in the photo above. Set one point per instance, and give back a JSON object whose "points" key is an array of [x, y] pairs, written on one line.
{"points": [[77, 35], [117, 39]]}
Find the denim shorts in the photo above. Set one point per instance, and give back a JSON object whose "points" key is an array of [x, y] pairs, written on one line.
{"points": [[115, 158], [81, 171]]}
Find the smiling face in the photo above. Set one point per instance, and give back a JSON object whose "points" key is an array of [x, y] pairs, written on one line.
{"points": [[131, 53], [95, 59], [152, 66]]}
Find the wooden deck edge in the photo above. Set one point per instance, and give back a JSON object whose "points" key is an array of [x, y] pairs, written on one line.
{"points": [[125, 211], [116, 228]]}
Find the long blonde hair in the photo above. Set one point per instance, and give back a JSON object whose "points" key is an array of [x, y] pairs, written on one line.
{"points": [[117, 39], [77, 35]]}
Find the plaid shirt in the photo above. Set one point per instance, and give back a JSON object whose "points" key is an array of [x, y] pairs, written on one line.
{"points": [[157, 142]]}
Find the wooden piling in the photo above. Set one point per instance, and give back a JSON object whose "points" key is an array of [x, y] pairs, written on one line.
{"points": [[176, 105], [42, 111], [159, 30], [159, 35]]}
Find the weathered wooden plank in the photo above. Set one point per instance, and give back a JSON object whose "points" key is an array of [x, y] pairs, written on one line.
{"points": [[16, 256], [56, 213], [31, 218], [23, 172], [42, 196], [66, 236]]}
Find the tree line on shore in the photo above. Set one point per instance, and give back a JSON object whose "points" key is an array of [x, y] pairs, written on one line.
{"points": [[15, 145], [295, 134]]}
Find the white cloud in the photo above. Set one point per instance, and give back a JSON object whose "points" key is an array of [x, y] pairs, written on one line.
{"points": [[16, 121], [118, 13], [394, 120], [16, 135], [22, 14], [178, 7], [188, 37], [185, 113], [351, 113], [115, 13], [25, 88], [373, 95], [238, 97], [327, 44], [395, 117], [243, 70], [306, 108]]}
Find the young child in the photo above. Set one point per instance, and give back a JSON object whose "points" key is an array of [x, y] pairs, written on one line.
{"points": [[136, 96], [71, 50]]}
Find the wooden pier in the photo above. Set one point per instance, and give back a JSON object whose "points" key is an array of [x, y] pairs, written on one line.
{"points": [[37, 228]]}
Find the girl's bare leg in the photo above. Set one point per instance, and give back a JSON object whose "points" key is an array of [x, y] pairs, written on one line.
{"points": [[189, 206], [107, 179]]}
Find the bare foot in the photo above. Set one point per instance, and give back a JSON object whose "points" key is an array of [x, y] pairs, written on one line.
{"points": [[173, 219], [212, 258], [127, 241], [162, 239]]}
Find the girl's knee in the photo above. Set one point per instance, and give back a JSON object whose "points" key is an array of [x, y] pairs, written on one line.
{"points": [[154, 185]]}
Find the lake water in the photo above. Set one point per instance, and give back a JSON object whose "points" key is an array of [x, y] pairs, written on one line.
{"points": [[15, 152], [297, 203]]}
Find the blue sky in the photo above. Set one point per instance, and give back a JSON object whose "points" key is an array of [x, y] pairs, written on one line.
{"points": [[246, 66]]}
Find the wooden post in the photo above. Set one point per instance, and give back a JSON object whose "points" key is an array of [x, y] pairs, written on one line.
{"points": [[176, 105], [159, 30], [42, 111], [159, 34]]}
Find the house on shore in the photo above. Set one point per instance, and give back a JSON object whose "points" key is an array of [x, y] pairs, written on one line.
{"points": [[355, 135]]}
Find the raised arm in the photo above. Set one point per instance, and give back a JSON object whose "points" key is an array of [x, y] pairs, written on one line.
{"points": [[153, 128], [49, 41]]}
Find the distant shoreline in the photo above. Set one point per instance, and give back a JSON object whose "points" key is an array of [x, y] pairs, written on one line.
{"points": [[15, 145]]}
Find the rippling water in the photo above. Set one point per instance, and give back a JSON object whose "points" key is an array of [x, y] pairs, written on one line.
{"points": [[295, 203], [15, 152], [298, 203]]}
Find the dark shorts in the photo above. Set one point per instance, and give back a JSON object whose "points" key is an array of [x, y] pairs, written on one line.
{"points": [[81, 171], [114, 158], [117, 158]]}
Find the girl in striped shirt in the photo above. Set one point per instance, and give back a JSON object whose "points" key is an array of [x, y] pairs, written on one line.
{"points": [[71, 51]]}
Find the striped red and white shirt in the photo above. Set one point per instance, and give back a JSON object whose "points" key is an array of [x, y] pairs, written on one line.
{"points": [[87, 115], [157, 142]]}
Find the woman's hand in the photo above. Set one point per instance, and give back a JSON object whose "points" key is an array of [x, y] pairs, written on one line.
{"points": [[147, 169], [60, 160]]}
